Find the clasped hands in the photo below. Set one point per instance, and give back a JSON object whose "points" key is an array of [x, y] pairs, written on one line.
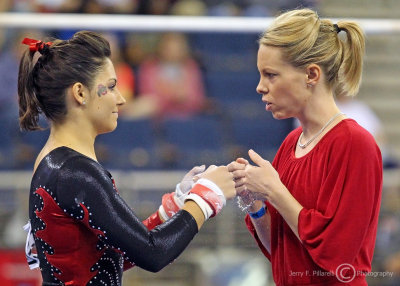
{"points": [[254, 182], [239, 178], [251, 182]]}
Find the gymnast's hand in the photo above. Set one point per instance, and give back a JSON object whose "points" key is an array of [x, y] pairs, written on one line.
{"points": [[219, 176], [212, 189], [172, 202], [222, 178], [183, 188]]}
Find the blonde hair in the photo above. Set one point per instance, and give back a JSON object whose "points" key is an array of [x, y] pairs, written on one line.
{"points": [[305, 39]]}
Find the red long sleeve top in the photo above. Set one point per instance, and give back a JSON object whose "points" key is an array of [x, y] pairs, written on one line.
{"points": [[339, 184]]}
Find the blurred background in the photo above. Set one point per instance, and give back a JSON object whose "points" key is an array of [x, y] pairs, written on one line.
{"points": [[191, 100]]}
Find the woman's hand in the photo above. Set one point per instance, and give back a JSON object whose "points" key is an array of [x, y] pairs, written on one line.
{"points": [[260, 180], [263, 183], [237, 169]]}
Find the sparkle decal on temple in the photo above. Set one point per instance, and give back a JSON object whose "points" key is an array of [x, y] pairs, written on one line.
{"points": [[101, 90]]}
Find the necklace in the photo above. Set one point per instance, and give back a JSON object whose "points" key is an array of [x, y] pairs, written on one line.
{"points": [[302, 146]]}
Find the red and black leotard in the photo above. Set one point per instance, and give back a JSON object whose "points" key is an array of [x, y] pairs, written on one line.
{"points": [[85, 233]]}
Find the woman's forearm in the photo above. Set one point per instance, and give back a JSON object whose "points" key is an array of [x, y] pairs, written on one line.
{"points": [[262, 225]]}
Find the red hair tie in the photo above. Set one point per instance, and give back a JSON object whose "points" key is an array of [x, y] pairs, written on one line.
{"points": [[35, 45]]}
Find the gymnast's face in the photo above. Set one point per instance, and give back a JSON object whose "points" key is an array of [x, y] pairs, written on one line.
{"points": [[105, 100], [282, 86]]}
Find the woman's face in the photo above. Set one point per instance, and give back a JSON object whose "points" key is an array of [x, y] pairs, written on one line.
{"points": [[281, 85], [105, 100]]}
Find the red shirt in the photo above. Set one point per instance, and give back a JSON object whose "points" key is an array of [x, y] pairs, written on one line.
{"points": [[339, 184]]}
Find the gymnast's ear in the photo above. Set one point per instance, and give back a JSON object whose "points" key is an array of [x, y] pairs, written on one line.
{"points": [[79, 93]]}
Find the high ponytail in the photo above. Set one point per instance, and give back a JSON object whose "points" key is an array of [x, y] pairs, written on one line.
{"points": [[306, 39], [350, 72], [47, 72], [29, 107]]}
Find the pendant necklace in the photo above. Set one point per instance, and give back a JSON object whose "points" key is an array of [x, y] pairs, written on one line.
{"points": [[302, 146]]}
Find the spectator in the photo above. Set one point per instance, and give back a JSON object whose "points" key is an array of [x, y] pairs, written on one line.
{"points": [[111, 6], [172, 78], [5, 5], [139, 47], [135, 107], [189, 8], [125, 75], [9, 57], [225, 9], [57, 6], [17, 151], [155, 7]]}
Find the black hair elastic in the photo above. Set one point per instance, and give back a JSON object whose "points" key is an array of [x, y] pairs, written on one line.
{"points": [[44, 48], [337, 28]]}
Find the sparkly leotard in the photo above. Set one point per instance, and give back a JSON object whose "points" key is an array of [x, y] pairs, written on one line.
{"points": [[85, 233]]}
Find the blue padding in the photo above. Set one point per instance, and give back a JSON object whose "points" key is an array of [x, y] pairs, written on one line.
{"points": [[264, 135], [195, 141], [197, 132], [232, 86]]}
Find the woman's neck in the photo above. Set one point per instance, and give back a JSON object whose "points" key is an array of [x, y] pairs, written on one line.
{"points": [[318, 111], [69, 136], [72, 136]]}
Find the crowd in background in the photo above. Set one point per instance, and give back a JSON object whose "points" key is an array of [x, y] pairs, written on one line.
{"points": [[161, 75], [157, 7]]}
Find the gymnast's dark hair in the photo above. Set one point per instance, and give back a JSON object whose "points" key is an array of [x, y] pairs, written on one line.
{"points": [[42, 83]]}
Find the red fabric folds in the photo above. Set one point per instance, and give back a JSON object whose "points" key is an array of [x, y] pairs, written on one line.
{"points": [[339, 185]]}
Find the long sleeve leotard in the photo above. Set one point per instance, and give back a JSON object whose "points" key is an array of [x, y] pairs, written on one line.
{"points": [[84, 231]]}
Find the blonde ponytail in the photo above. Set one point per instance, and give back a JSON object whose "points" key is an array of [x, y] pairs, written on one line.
{"points": [[350, 72], [306, 39]]}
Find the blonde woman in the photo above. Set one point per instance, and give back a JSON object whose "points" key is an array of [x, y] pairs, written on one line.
{"points": [[314, 210]]}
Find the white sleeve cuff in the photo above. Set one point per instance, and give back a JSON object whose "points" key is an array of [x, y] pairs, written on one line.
{"points": [[203, 205], [212, 186]]}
